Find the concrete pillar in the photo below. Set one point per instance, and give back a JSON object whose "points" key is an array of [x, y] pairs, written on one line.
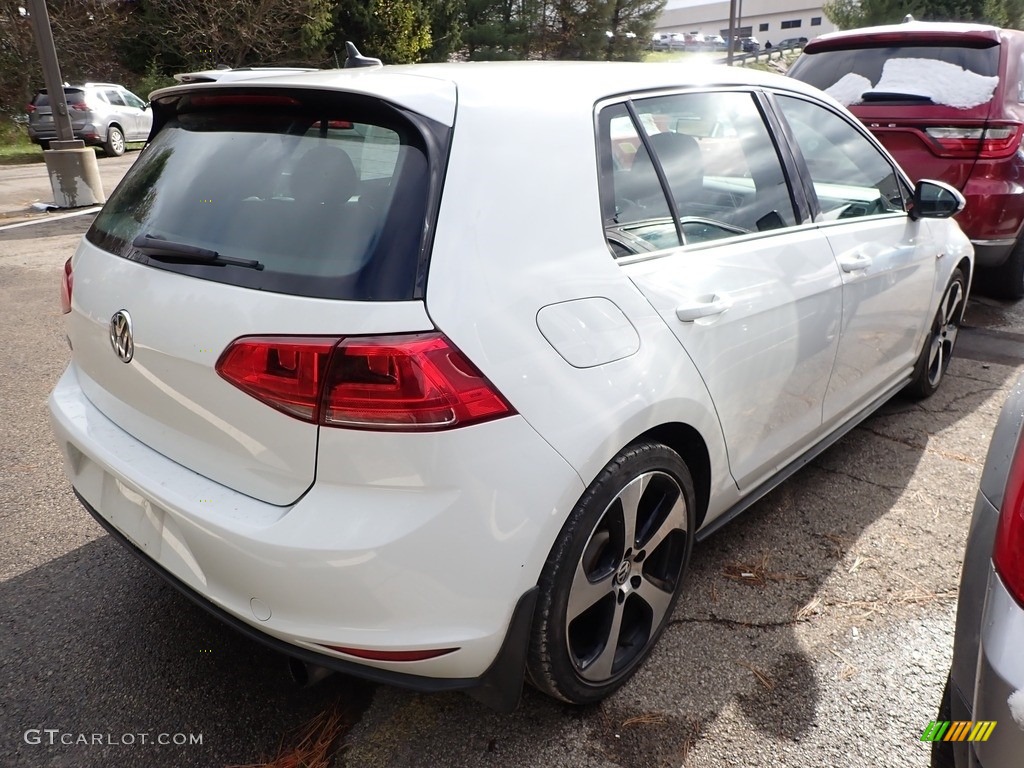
{"points": [[74, 174]]}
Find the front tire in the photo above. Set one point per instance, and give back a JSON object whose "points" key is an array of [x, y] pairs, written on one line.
{"points": [[613, 576], [114, 146], [938, 347]]}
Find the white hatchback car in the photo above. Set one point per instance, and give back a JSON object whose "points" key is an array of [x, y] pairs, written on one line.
{"points": [[434, 374]]}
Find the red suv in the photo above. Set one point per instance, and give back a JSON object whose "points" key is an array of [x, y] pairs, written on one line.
{"points": [[946, 100]]}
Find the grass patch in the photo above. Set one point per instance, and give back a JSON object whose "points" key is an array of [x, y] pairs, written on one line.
{"points": [[659, 57], [15, 148]]}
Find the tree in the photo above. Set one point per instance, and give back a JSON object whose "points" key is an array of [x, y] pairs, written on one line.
{"points": [[86, 34], [395, 31], [185, 35], [632, 24], [445, 29], [850, 14]]}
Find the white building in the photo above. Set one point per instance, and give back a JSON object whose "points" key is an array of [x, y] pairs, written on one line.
{"points": [[767, 20]]}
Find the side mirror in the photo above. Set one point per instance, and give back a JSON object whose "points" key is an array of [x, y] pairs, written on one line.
{"points": [[935, 200]]}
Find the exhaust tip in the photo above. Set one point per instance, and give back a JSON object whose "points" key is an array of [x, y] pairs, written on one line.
{"points": [[306, 675]]}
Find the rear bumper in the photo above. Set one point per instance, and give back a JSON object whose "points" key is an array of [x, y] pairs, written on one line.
{"points": [[87, 134], [993, 217], [1000, 676], [992, 253], [499, 687], [406, 565]]}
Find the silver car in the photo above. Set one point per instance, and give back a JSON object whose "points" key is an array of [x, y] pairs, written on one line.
{"points": [[981, 718], [102, 114]]}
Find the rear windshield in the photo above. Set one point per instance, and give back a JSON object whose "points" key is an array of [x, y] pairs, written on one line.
{"points": [[953, 76], [71, 96], [327, 200]]}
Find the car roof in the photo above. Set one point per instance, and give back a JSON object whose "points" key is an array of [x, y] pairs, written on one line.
{"points": [[431, 89], [942, 32]]}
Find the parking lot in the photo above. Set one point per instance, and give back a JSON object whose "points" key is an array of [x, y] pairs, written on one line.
{"points": [[815, 630]]}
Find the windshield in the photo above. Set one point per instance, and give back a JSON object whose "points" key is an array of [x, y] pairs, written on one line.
{"points": [[332, 202], [953, 76]]}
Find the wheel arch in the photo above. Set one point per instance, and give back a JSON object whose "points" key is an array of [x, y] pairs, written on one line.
{"points": [[114, 124], [966, 266], [691, 447]]}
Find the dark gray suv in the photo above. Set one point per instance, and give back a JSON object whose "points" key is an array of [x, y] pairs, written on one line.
{"points": [[981, 718], [102, 114]]}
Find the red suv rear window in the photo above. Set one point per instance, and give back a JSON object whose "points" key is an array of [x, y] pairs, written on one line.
{"points": [[904, 73]]}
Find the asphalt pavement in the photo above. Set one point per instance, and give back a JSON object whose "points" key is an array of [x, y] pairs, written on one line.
{"points": [[25, 190], [832, 651]]}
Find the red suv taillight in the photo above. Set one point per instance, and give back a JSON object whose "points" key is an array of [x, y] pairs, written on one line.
{"points": [[404, 382], [66, 284], [30, 108], [1008, 552], [989, 143]]}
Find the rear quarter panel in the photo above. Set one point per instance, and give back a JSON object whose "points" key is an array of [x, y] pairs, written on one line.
{"points": [[520, 229]]}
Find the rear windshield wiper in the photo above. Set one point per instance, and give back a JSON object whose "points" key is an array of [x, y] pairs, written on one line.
{"points": [[891, 96], [170, 250]]}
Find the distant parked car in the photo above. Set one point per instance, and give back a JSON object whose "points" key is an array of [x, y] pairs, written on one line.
{"points": [[986, 681], [792, 42], [945, 99], [716, 42], [102, 114], [695, 41], [750, 44], [668, 41]]}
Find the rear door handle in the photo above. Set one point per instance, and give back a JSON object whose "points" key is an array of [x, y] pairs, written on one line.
{"points": [[703, 306], [854, 263]]}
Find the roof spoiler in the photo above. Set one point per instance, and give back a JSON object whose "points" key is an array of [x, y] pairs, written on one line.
{"points": [[353, 58]]}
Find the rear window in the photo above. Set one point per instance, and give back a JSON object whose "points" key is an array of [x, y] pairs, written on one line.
{"points": [[72, 96], [322, 198], [960, 77]]}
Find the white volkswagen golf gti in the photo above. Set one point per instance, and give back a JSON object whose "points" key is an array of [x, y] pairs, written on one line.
{"points": [[434, 374]]}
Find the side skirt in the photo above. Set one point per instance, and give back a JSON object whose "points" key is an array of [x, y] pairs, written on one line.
{"points": [[801, 461]]}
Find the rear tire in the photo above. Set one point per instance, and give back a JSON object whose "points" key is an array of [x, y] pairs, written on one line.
{"points": [[613, 576], [938, 346], [114, 146]]}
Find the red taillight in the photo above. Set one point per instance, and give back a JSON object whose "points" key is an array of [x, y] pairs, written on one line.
{"points": [[66, 284], [989, 143], [367, 653], [1008, 552], [30, 108], [284, 372], [80, 106], [407, 382]]}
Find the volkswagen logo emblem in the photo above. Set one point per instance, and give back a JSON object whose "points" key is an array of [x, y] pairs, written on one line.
{"points": [[121, 335], [623, 571]]}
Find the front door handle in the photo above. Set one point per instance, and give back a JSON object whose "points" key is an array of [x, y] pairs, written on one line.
{"points": [[854, 263], [703, 306]]}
